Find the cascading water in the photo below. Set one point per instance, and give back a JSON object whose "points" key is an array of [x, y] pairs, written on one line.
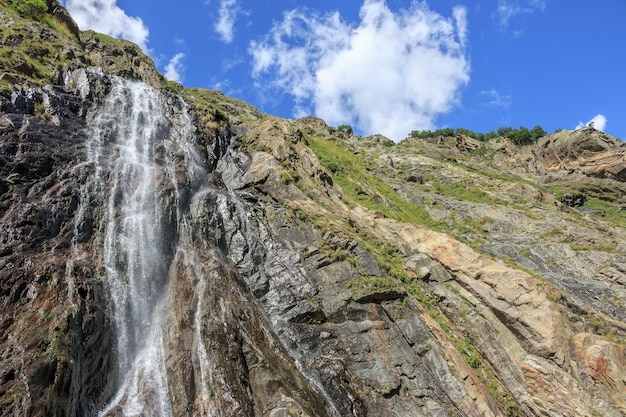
{"points": [[138, 142], [188, 338]]}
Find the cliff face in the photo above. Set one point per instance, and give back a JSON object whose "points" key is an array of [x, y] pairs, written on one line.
{"points": [[166, 254]]}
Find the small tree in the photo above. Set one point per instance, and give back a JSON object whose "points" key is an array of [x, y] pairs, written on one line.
{"points": [[30, 8], [503, 131], [537, 132], [345, 131], [520, 136]]}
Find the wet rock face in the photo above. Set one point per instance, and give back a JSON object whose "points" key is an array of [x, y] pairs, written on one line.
{"points": [[574, 200], [48, 343]]}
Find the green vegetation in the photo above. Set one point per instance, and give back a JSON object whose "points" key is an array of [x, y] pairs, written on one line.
{"points": [[447, 132], [557, 231], [603, 209], [345, 130], [206, 108], [288, 177], [466, 348], [512, 263], [466, 191], [519, 136], [34, 9], [351, 173], [28, 51], [371, 284], [389, 259], [28, 60], [478, 152], [477, 226], [522, 135], [578, 247], [386, 257], [607, 210], [212, 108]]}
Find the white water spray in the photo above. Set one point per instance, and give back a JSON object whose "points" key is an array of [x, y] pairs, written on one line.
{"points": [[135, 145]]}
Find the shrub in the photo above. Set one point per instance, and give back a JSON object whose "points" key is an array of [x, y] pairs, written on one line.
{"points": [[31, 8], [285, 177], [345, 130], [520, 136], [537, 132], [502, 131]]}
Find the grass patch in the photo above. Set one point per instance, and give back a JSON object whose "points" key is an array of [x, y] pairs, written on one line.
{"points": [[387, 257], [557, 231], [609, 211], [479, 152], [605, 209], [33, 49], [473, 226], [510, 262], [372, 284], [390, 260], [350, 173], [467, 192], [579, 247]]}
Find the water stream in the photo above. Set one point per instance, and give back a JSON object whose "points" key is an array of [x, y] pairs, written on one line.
{"points": [[138, 142]]}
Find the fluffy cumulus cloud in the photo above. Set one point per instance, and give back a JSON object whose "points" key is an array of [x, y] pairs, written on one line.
{"points": [[227, 17], [105, 16], [390, 74], [509, 9], [175, 68], [598, 122]]}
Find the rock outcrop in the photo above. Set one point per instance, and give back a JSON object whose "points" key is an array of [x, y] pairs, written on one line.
{"points": [[230, 263], [586, 151], [121, 58]]}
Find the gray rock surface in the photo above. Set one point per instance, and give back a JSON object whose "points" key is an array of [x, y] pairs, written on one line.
{"points": [[296, 279]]}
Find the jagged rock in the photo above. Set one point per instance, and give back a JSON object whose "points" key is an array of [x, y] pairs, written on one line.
{"points": [[121, 58], [574, 200], [587, 151], [276, 292]]}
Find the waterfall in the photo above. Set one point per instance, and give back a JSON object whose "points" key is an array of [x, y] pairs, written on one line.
{"points": [[179, 317], [139, 144]]}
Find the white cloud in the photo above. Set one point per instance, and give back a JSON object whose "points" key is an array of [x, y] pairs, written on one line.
{"points": [[509, 9], [105, 16], [175, 68], [495, 99], [227, 16], [393, 73], [599, 123]]}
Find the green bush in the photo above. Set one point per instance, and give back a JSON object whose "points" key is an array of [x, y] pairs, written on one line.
{"points": [[31, 8], [519, 136], [345, 129]]}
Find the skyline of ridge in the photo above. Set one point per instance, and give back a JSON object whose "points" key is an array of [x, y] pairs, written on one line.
{"points": [[389, 67]]}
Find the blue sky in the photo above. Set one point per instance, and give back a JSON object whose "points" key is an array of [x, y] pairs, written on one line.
{"points": [[391, 66]]}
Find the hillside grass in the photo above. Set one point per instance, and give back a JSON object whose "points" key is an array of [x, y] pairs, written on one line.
{"points": [[351, 173], [30, 52], [606, 210]]}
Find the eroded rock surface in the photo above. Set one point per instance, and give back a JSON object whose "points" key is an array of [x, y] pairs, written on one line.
{"points": [[293, 275]]}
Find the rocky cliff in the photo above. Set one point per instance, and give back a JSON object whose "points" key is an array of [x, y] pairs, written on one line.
{"points": [[175, 252]]}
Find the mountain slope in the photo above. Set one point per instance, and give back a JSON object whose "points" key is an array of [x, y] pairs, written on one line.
{"points": [[295, 269]]}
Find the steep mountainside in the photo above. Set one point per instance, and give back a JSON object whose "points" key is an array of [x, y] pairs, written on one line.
{"points": [[174, 252]]}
